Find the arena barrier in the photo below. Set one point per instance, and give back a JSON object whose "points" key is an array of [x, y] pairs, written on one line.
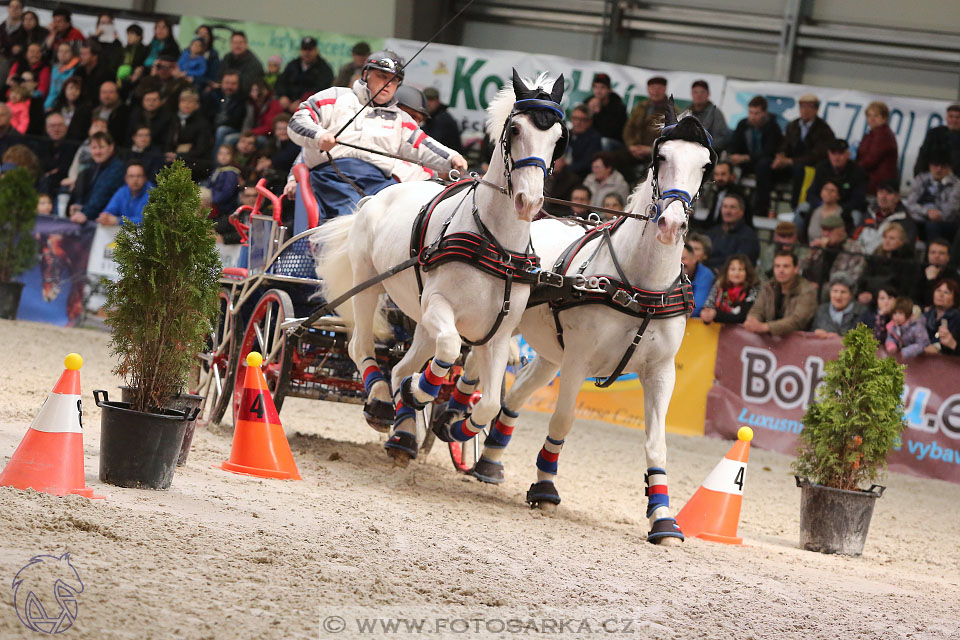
{"points": [[766, 383]]}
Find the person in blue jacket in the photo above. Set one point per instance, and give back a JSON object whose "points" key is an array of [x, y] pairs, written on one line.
{"points": [[193, 64], [130, 199], [97, 184], [701, 277]]}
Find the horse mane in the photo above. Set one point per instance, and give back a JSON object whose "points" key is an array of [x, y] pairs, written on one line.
{"points": [[502, 103]]}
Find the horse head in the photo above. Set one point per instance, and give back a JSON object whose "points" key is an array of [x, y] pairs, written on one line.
{"points": [[682, 160], [526, 120]]}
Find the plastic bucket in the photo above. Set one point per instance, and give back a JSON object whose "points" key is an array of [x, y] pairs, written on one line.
{"points": [[181, 402], [139, 449], [835, 520], [10, 299]]}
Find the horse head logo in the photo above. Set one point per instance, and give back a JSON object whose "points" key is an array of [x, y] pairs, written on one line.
{"points": [[45, 593]]}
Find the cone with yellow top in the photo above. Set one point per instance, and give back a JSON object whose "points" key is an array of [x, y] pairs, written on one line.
{"points": [[713, 513], [50, 456], [260, 447]]}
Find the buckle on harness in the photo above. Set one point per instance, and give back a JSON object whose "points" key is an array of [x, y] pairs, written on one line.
{"points": [[506, 306], [550, 279], [622, 298]]}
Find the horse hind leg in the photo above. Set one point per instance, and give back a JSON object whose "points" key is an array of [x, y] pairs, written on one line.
{"points": [[657, 389], [535, 375], [402, 445], [378, 408]]}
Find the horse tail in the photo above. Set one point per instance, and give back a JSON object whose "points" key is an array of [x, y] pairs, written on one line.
{"points": [[330, 244]]}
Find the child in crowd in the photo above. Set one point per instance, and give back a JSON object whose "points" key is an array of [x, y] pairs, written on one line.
{"points": [[224, 191], [877, 320], [273, 71], [134, 54], [733, 293], [63, 68], [905, 333], [44, 205], [193, 65], [19, 104]]}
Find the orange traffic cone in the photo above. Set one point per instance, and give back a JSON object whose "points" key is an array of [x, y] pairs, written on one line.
{"points": [[713, 512], [50, 456], [260, 447]]}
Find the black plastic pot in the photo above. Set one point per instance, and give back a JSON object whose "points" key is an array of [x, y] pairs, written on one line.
{"points": [[835, 520], [181, 402], [10, 299], [139, 449]]}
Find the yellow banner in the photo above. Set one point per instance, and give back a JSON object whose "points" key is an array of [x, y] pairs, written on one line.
{"points": [[622, 402]]}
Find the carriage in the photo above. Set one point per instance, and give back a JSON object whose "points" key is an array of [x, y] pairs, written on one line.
{"points": [[277, 285]]}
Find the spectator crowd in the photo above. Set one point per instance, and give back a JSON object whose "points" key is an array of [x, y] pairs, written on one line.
{"points": [[94, 117]]}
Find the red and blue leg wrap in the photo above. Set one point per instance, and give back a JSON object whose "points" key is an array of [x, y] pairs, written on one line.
{"points": [[460, 398], [546, 459], [371, 375], [403, 411], [501, 432], [463, 430], [433, 377], [656, 491]]}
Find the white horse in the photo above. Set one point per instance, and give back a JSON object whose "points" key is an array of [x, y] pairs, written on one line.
{"points": [[457, 298], [596, 337]]}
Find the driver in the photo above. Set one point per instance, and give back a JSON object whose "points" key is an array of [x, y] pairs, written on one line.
{"points": [[341, 175]]}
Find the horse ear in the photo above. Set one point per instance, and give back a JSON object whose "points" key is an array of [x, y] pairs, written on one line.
{"points": [[518, 87], [556, 94], [671, 116]]}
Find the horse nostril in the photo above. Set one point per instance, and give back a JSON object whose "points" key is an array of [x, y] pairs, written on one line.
{"points": [[518, 201]]}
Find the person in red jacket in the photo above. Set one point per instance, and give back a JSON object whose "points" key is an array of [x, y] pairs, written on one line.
{"points": [[262, 108], [33, 62], [877, 153]]}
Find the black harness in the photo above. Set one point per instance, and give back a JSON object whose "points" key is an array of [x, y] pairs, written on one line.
{"points": [[479, 249]]}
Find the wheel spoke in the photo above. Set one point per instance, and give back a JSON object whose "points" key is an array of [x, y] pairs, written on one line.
{"points": [[259, 334], [216, 378]]}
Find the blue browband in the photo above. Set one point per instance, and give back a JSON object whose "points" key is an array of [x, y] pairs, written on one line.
{"points": [[537, 103]]}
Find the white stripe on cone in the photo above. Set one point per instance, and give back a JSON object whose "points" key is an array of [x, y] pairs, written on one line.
{"points": [[60, 413], [727, 477]]}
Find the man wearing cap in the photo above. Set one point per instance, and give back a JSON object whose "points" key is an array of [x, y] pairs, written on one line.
{"points": [[607, 109], [934, 200], [358, 54], [341, 175], [944, 139], [848, 175], [888, 209], [646, 119], [804, 144], [709, 115], [243, 61], [303, 76], [833, 254], [441, 126]]}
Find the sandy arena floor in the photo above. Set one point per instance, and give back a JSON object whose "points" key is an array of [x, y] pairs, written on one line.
{"points": [[228, 556]]}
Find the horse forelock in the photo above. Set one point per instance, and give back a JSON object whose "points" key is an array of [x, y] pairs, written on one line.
{"points": [[502, 104]]}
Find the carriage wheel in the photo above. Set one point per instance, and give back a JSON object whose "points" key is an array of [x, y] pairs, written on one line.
{"points": [[263, 333], [214, 374]]}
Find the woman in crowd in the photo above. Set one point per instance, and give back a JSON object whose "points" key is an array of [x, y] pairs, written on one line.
{"points": [[111, 49], [32, 32], [163, 43], [829, 206], [877, 153], [604, 179], [262, 108], [905, 333], [841, 313], [63, 69], [942, 320], [74, 112], [877, 320], [892, 263], [32, 62], [733, 293], [210, 53]]}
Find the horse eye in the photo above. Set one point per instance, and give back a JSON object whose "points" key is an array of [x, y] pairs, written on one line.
{"points": [[514, 130]]}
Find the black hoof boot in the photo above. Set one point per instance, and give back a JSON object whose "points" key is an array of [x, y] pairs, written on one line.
{"points": [[379, 414], [443, 419], [407, 397], [664, 528], [402, 447], [543, 492], [486, 470]]}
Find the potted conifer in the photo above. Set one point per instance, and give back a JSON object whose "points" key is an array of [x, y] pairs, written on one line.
{"points": [[18, 249], [847, 434], [160, 310]]}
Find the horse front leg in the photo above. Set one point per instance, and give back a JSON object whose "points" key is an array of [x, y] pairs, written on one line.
{"points": [[536, 374], [657, 390], [543, 493], [402, 445], [378, 407]]}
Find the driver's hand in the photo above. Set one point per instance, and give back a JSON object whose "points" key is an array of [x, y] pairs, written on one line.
{"points": [[290, 190], [327, 141], [459, 163]]}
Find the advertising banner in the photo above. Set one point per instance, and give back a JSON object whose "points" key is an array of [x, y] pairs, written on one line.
{"points": [[266, 40], [467, 78], [844, 110], [767, 383], [622, 402]]}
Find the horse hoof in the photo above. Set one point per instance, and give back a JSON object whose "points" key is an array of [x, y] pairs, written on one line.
{"points": [[488, 471], [665, 531], [543, 493], [402, 447], [379, 414], [547, 508], [442, 421], [407, 397]]}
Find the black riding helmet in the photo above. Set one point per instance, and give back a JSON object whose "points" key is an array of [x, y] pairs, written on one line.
{"points": [[385, 60]]}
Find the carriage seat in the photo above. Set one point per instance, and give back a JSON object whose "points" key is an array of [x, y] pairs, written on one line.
{"points": [[238, 273]]}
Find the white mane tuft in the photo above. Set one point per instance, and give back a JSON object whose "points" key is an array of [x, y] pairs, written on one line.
{"points": [[502, 103]]}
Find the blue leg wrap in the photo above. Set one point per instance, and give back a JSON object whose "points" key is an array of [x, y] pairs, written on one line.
{"points": [[461, 434]]}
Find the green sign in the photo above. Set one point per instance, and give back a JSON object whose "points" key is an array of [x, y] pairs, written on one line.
{"points": [[266, 40]]}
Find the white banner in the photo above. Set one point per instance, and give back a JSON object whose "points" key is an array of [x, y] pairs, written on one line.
{"points": [[467, 79], [101, 264], [845, 112]]}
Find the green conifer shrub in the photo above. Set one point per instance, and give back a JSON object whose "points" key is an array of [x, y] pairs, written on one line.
{"points": [[18, 216]]}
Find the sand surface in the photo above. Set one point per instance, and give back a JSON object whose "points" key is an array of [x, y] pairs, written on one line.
{"points": [[227, 556]]}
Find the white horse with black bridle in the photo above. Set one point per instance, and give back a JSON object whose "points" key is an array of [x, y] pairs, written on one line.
{"points": [[623, 310], [473, 267]]}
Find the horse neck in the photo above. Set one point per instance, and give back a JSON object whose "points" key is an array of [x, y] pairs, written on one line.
{"points": [[647, 262], [496, 209]]}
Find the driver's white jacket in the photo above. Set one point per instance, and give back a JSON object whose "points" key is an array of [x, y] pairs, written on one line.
{"points": [[385, 128]]}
